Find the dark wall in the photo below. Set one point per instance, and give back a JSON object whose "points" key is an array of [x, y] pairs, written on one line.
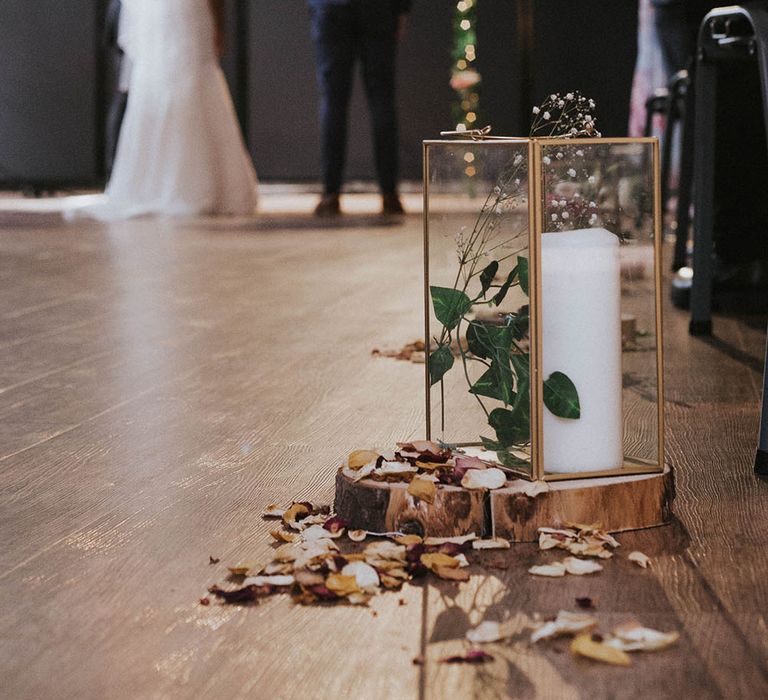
{"points": [[49, 80]]}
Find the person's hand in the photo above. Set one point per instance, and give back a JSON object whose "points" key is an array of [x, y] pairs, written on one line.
{"points": [[402, 26]]}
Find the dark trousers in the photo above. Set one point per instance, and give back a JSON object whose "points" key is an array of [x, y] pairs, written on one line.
{"points": [[342, 34]]}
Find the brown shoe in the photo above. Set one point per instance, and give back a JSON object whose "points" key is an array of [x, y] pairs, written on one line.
{"points": [[328, 206], [391, 205]]}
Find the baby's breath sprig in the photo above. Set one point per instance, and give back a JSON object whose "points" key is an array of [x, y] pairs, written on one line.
{"points": [[567, 116]]}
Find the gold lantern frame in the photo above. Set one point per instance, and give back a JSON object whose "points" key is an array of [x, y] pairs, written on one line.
{"points": [[536, 227]]}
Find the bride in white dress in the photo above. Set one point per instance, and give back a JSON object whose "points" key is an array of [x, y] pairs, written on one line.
{"points": [[180, 150]]}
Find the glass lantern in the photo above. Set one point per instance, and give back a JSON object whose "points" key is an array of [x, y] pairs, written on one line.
{"points": [[542, 303]]}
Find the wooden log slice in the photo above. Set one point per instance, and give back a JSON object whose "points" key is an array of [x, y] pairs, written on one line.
{"points": [[615, 503], [379, 506]]}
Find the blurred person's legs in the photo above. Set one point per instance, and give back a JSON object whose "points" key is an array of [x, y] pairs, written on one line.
{"points": [[378, 25], [334, 33]]}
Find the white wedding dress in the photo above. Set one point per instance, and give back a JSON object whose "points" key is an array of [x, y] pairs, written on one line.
{"points": [[180, 150]]}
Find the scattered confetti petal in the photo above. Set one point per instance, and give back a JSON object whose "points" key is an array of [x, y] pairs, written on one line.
{"points": [[565, 623], [495, 543], [365, 575], [640, 559], [581, 567], [486, 632], [360, 458], [342, 585], [584, 645], [552, 570], [460, 539], [634, 637], [273, 511], [269, 581], [423, 489], [490, 479]]}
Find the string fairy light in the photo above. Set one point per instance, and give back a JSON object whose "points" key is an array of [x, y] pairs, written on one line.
{"points": [[465, 79]]}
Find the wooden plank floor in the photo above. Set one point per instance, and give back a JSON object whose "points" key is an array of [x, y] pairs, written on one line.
{"points": [[161, 382]]}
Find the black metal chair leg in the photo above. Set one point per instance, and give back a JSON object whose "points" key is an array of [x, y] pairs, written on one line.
{"points": [[684, 189], [761, 456], [704, 179]]}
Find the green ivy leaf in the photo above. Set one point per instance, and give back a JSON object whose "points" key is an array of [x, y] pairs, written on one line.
{"points": [[450, 305], [522, 367], [487, 275], [491, 445], [496, 383], [488, 340], [440, 361], [561, 396], [509, 460], [519, 323], [511, 428], [511, 279], [522, 267]]}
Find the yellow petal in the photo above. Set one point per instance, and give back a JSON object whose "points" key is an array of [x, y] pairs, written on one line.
{"points": [[435, 559], [342, 585], [407, 539], [584, 645], [423, 489], [359, 458]]}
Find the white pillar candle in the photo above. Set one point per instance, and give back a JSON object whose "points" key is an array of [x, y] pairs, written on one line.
{"points": [[581, 337]]}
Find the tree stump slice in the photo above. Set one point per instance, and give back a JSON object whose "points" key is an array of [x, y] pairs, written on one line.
{"points": [[616, 504], [380, 506]]}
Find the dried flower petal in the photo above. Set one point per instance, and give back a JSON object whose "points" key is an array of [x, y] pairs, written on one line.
{"points": [[495, 543], [491, 478], [296, 512], [317, 532], [243, 569], [269, 581], [487, 631], [554, 570], [580, 567], [423, 489], [565, 623], [246, 594], [305, 577], [284, 536], [407, 539], [534, 488], [359, 474], [584, 645], [634, 637], [431, 560], [360, 458], [273, 511], [473, 656], [458, 539], [394, 468], [342, 585], [640, 559], [335, 525], [365, 575]]}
